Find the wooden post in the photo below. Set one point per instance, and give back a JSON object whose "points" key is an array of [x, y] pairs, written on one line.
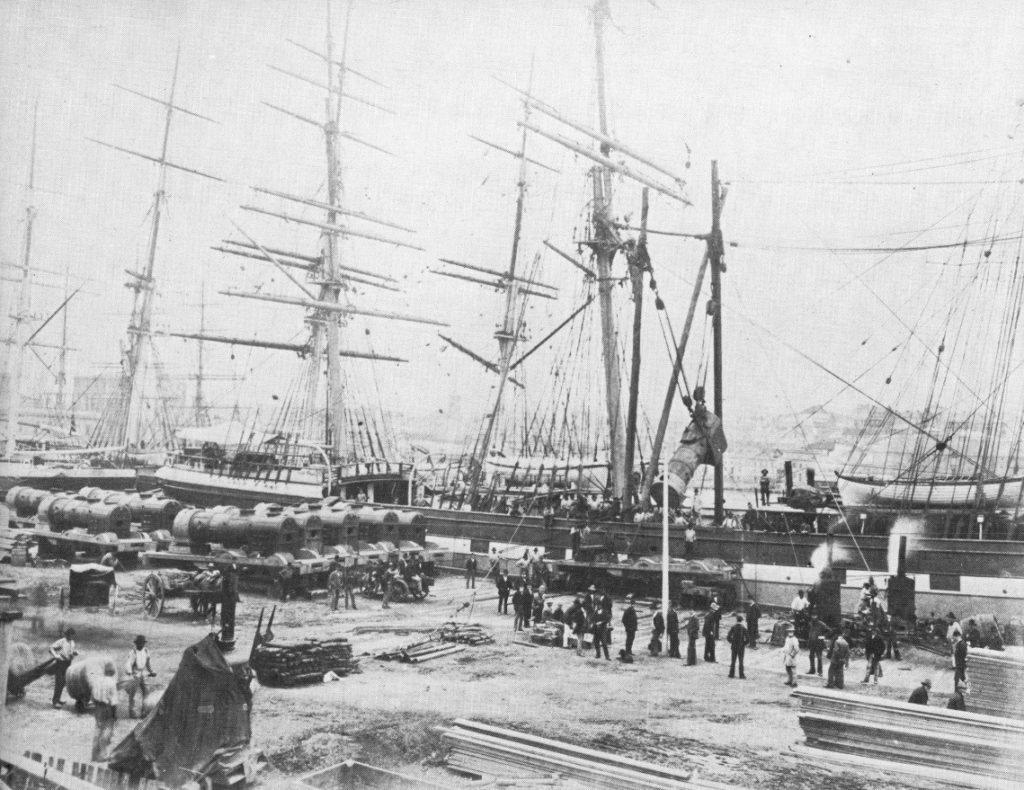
{"points": [[717, 253], [637, 276], [6, 626]]}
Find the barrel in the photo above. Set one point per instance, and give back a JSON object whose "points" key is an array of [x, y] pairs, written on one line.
{"points": [[83, 674], [24, 500]]}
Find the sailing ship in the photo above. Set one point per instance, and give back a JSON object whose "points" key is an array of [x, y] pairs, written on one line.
{"points": [[319, 443]]}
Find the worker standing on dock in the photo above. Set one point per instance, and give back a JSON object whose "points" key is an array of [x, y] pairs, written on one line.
{"points": [[711, 633], [790, 651], [629, 623], [839, 660], [816, 644], [737, 638], [672, 629], [104, 697], [753, 618], [658, 622], [504, 585], [63, 650], [692, 632], [874, 649], [138, 669], [471, 571], [334, 584], [959, 659]]}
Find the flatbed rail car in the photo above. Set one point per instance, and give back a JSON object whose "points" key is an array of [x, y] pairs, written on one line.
{"points": [[692, 583], [287, 550]]}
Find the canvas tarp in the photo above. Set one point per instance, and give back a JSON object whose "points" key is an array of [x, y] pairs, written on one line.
{"points": [[203, 709]]}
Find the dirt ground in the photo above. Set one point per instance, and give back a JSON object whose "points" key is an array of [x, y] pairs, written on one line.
{"points": [[657, 709]]}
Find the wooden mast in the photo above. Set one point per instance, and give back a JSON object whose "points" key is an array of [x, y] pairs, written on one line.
{"points": [[636, 275], [508, 335], [15, 357], [717, 253], [605, 244], [199, 407]]}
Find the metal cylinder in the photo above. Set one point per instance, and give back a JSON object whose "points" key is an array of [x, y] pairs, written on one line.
{"points": [[82, 676], [24, 500], [62, 513]]}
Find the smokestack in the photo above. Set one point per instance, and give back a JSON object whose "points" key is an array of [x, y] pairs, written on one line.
{"points": [[229, 592], [788, 467], [901, 557]]}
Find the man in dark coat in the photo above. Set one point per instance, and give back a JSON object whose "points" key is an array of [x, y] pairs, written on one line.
{"points": [[816, 632], [471, 572], [672, 629], [839, 660], [658, 623], [753, 617], [629, 623], [959, 659], [504, 585], [919, 696], [710, 633], [692, 632], [737, 638], [601, 619], [520, 601], [576, 623], [874, 649]]}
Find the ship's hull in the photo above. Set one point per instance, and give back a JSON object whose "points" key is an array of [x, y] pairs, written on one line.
{"points": [[64, 478], [956, 492], [965, 575], [201, 487]]}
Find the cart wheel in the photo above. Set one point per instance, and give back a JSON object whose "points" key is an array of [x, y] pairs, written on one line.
{"points": [[399, 591], [153, 596]]}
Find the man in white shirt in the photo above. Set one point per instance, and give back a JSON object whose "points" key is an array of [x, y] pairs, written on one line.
{"points": [[104, 697], [63, 650], [138, 669], [800, 606]]}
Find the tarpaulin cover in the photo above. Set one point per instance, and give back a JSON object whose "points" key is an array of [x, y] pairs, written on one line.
{"points": [[89, 584], [203, 709]]}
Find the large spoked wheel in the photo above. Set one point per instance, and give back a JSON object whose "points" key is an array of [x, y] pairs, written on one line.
{"points": [[399, 590], [153, 596]]}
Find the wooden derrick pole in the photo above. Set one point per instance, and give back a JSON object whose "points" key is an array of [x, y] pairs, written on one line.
{"points": [[604, 246], [717, 254], [636, 275]]}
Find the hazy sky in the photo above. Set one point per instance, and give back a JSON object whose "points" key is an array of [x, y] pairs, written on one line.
{"points": [[837, 125]]}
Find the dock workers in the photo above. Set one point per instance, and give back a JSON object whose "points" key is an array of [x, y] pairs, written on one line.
{"points": [[64, 651], [138, 669], [737, 638]]}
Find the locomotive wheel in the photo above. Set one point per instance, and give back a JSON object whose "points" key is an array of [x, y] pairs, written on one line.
{"points": [[153, 596]]}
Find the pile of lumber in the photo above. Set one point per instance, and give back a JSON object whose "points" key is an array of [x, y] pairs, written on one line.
{"points": [[918, 734], [997, 684], [549, 633], [496, 753], [35, 770], [418, 652], [297, 661], [466, 633]]}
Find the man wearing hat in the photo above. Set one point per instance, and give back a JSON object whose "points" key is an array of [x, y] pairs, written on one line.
{"points": [[711, 633], [672, 629], [737, 638], [692, 632], [766, 487], [63, 650], [658, 622], [549, 611], [137, 670], [629, 623], [919, 696], [790, 651], [839, 660], [576, 622]]}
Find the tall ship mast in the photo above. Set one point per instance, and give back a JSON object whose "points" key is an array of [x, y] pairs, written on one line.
{"points": [[317, 443]]}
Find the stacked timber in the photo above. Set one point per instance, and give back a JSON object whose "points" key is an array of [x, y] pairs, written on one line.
{"points": [[465, 633], [485, 751], [296, 662], [997, 684], [916, 734], [549, 633], [418, 652]]}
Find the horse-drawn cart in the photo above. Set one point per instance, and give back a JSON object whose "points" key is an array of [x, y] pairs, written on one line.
{"points": [[203, 590]]}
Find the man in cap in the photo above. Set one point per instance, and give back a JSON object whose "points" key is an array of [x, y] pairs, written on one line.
{"points": [[629, 623], [839, 660], [919, 696], [658, 622], [692, 632], [737, 638], [790, 651], [672, 629], [957, 702], [710, 633], [765, 486], [63, 650], [138, 669]]}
